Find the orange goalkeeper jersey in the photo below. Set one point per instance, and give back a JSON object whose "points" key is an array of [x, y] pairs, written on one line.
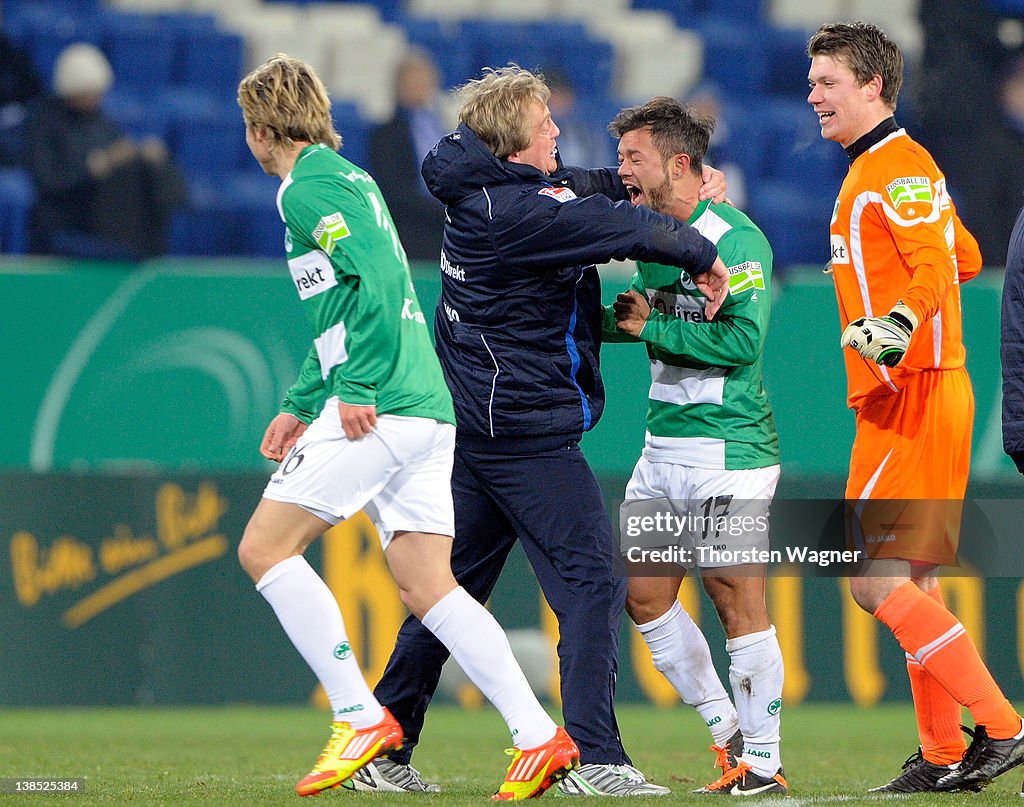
{"points": [[895, 235]]}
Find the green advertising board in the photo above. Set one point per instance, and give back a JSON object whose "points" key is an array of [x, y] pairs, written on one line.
{"points": [[135, 403], [125, 589], [182, 365]]}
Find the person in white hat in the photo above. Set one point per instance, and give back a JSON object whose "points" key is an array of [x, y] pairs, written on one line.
{"points": [[100, 193]]}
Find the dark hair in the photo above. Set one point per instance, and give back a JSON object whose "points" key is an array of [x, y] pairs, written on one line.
{"points": [[866, 50], [675, 128]]}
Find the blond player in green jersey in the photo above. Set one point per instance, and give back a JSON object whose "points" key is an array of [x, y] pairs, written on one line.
{"points": [[367, 426], [711, 453]]}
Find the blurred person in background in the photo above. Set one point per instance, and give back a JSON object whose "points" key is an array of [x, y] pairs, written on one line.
{"points": [[367, 425], [580, 141], [19, 84], [999, 140], [899, 255], [518, 329], [397, 149], [706, 99], [1012, 346], [957, 92], [100, 193]]}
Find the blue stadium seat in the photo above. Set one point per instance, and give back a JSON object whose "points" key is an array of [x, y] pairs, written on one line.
{"points": [[51, 8], [390, 10], [264, 233], [253, 197], [788, 63], [18, 196], [1009, 8], [210, 60], [596, 112], [197, 232], [137, 115], [266, 239], [187, 21], [524, 52], [599, 57], [751, 13], [210, 224], [443, 39], [354, 130], [794, 221], [494, 43], [45, 36], [141, 51], [796, 151], [686, 13], [735, 57], [23, 21], [185, 102], [564, 33], [907, 105], [210, 145], [78, 7], [744, 134], [589, 64]]}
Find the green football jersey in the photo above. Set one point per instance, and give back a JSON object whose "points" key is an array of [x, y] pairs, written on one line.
{"points": [[708, 407], [370, 345]]}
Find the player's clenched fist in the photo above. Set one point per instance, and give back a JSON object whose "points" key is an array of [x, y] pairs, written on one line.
{"points": [[631, 312], [883, 340]]}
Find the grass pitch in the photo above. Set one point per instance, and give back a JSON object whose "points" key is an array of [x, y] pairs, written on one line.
{"points": [[248, 755]]}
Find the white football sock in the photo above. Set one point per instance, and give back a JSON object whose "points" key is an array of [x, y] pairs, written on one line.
{"points": [[681, 653], [310, 616], [756, 675], [480, 647]]}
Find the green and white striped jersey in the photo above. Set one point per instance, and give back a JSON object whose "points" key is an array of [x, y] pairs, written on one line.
{"points": [[708, 407], [371, 344]]}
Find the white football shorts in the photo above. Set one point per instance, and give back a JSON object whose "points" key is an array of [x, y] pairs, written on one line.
{"points": [[725, 513], [400, 474]]}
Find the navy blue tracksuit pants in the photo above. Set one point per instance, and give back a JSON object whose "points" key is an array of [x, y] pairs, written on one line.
{"points": [[548, 497]]}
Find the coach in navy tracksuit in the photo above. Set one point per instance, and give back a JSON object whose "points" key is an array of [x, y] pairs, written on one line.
{"points": [[518, 330], [1012, 346]]}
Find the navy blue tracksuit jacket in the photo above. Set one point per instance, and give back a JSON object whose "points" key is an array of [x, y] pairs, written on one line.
{"points": [[518, 330], [1012, 346]]}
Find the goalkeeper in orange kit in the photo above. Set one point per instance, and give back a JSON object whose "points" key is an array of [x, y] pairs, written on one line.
{"points": [[899, 253]]}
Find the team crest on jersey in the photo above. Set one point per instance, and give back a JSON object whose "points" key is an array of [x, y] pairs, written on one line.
{"points": [[835, 212], [287, 240], [329, 230], [558, 194], [908, 190], [745, 276]]}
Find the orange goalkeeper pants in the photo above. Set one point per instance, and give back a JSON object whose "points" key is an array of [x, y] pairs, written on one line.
{"points": [[909, 467]]}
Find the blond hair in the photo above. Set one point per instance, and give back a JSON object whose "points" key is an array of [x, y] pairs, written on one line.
{"points": [[497, 107], [287, 97]]}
